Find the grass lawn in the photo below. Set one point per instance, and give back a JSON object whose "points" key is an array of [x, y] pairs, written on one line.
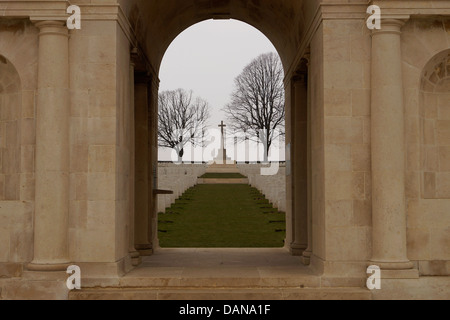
{"points": [[222, 216], [222, 176]]}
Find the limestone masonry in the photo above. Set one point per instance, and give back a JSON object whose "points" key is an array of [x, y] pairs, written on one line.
{"points": [[367, 175]]}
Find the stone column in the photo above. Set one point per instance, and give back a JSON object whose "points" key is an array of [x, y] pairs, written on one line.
{"points": [[299, 167], [134, 254], [52, 149], [289, 105], [153, 89], [306, 257], [142, 218], [388, 150]]}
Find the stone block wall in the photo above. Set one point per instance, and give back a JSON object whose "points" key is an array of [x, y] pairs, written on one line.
{"points": [[426, 77], [273, 186], [341, 143], [342, 97], [98, 190], [18, 74], [177, 178]]}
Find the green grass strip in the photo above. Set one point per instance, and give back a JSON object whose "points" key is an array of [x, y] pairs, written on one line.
{"points": [[221, 216], [222, 176]]}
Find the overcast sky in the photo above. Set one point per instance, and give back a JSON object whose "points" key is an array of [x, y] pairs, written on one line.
{"points": [[207, 57]]}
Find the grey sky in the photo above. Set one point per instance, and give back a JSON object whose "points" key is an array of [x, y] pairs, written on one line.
{"points": [[207, 57]]}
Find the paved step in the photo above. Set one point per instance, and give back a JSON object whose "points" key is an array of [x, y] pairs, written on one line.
{"points": [[275, 293], [222, 168], [220, 274], [205, 278], [222, 181]]}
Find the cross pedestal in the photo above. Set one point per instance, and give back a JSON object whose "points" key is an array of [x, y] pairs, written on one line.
{"points": [[221, 157]]}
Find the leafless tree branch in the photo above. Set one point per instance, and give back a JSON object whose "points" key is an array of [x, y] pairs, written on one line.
{"points": [[181, 120], [257, 104]]}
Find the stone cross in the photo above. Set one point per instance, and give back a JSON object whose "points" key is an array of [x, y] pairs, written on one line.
{"points": [[222, 142]]}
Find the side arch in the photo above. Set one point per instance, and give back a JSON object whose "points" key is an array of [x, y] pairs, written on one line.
{"points": [[10, 116], [435, 123]]}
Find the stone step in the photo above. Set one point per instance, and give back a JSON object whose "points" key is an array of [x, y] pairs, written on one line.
{"points": [[229, 163], [201, 278], [222, 181], [275, 293], [222, 170]]}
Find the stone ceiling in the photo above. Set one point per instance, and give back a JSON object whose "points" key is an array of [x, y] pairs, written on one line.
{"points": [[159, 22]]}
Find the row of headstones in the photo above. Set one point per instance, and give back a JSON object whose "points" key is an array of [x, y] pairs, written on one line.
{"points": [[272, 186], [179, 178], [176, 178]]}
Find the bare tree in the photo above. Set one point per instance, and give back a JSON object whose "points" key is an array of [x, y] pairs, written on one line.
{"points": [[257, 102], [182, 120]]}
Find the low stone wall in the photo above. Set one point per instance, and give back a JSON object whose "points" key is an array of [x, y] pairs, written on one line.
{"points": [[273, 187], [177, 178], [16, 237]]}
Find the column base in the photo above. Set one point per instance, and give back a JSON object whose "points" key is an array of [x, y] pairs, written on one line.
{"points": [[136, 261], [297, 249], [40, 275], [400, 274], [397, 270], [393, 265], [306, 257], [47, 267], [144, 250], [135, 258], [103, 274]]}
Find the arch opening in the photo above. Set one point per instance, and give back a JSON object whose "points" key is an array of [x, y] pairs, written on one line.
{"points": [[435, 121], [159, 23], [10, 115], [156, 33], [206, 58]]}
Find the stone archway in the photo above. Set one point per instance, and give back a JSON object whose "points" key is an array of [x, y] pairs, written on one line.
{"points": [[10, 115], [434, 114], [157, 23], [76, 198], [168, 20]]}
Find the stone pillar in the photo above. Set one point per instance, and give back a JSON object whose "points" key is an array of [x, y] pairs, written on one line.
{"points": [[142, 221], [52, 149], [134, 254], [153, 90], [299, 164], [306, 257], [289, 106], [388, 150]]}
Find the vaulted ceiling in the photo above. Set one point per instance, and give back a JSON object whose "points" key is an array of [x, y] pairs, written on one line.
{"points": [[159, 22]]}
